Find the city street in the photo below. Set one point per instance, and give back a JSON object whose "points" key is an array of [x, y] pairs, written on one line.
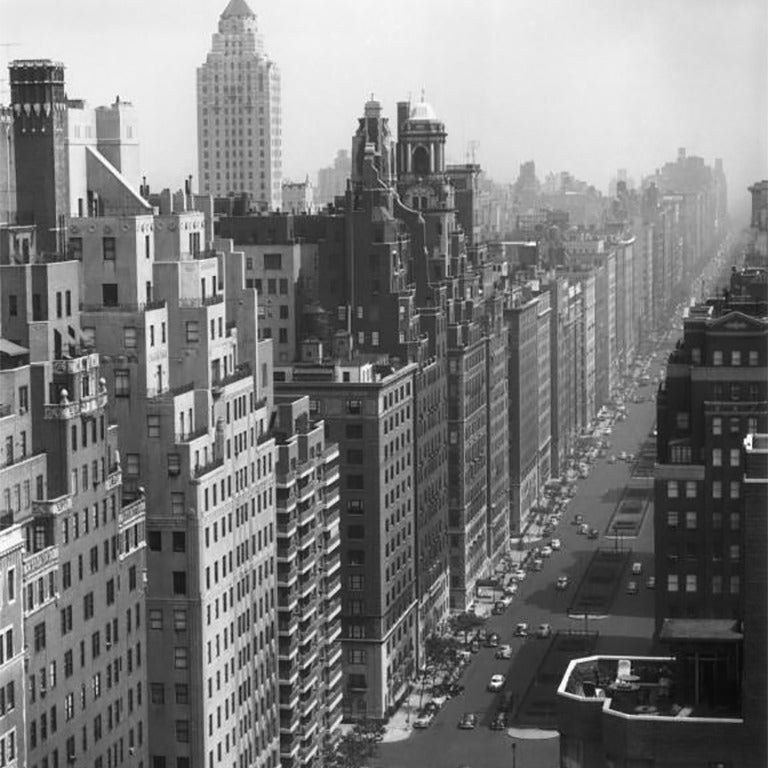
{"points": [[626, 628]]}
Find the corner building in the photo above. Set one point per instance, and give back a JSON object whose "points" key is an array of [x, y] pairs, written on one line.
{"points": [[239, 134]]}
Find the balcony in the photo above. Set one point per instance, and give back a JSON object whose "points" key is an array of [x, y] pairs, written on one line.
{"points": [[308, 537], [5, 410], [132, 513], [52, 507], [286, 552], [142, 306], [286, 523], [189, 436], [69, 410], [287, 575], [114, 478], [289, 722], [203, 469], [207, 301], [332, 513], [332, 587], [243, 371], [289, 697], [287, 649], [334, 676]]}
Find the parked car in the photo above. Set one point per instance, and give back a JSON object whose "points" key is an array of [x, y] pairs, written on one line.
{"points": [[504, 652], [468, 721], [632, 588], [521, 630], [637, 569], [562, 582], [519, 574], [555, 544], [544, 630], [496, 683], [546, 551], [583, 529], [511, 590], [499, 722], [423, 721], [538, 564], [492, 641], [650, 582], [474, 646], [498, 608]]}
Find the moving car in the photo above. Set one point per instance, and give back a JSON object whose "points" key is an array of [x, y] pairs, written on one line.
{"points": [[499, 722], [519, 574], [562, 582], [492, 641], [521, 630], [538, 564], [632, 588], [496, 683], [422, 721], [546, 551], [637, 568], [498, 608], [504, 652], [623, 455], [583, 529], [555, 544], [593, 533], [578, 519], [468, 721]]}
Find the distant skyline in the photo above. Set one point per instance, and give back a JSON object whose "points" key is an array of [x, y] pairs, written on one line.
{"points": [[587, 87]]}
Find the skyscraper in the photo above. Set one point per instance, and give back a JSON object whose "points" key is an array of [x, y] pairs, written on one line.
{"points": [[238, 113]]}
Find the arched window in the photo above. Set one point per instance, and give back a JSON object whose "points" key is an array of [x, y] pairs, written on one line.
{"points": [[420, 160]]}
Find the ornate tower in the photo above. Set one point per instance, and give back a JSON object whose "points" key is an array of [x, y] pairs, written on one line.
{"points": [[39, 106], [373, 137]]}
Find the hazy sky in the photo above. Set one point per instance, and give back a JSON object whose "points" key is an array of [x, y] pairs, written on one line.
{"points": [[587, 86]]}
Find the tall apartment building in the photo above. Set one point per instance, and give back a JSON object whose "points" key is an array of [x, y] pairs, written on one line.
{"points": [[332, 181], [308, 582], [369, 410], [82, 648], [715, 392], [239, 119]]}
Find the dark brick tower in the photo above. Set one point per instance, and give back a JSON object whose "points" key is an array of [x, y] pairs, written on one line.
{"points": [[39, 106]]}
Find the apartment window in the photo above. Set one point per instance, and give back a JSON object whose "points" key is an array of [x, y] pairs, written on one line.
{"points": [[271, 286], [355, 482], [180, 658], [735, 457], [155, 540], [672, 492], [283, 286], [182, 693], [354, 406], [357, 656], [88, 606], [182, 731], [717, 489], [109, 294], [717, 357], [735, 391], [39, 635], [753, 359], [734, 552], [734, 489], [69, 706], [356, 557], [696, 355], [735, 357], [177, 503], [283, 311], [122, 382], [717, 584], [354, 456], [108, 248], [111, 592], [673, 519], [690, 582], [13, 305], [690, 520], [356, 582], [355, 506], [273, 261], [153, 425], [179, 539], [132, 464], [672, 584], [179, 583], [717, 457], [682, 420], [129, 337], [174, 463], [156, 618], [375, 338], [180, 619], [735, 585]]}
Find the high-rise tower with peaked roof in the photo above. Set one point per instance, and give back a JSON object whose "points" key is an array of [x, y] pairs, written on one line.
{"points": [[239, 138]]}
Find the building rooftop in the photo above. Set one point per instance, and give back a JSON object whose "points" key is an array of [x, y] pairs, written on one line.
{"points": [[642, 686], [237, 8]]}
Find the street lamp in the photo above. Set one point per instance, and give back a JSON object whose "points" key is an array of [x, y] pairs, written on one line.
{"points": [[514, 754]]}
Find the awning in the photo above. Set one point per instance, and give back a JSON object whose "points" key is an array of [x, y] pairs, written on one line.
{"points": [[9, 348]]}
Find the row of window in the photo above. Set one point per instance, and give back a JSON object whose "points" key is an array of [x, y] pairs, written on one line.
{"points": [[736, 357], [689, 583]]}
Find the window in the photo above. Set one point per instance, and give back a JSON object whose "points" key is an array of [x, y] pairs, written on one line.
{"points": [[717, 489], [156, 619], [177, 503], [273, 261], [180, 619], [682, 420], [88, 606], [717, 457], [354, 431], [735, 521], [717, 357], [672, 492], [357, 656], [111, 592], [180, 658], [671, 582], [13, 305], [174, 463], [354, 456], [734, 552], [355, 482], [129, 337], [109, 294], [182, 693], [354, 406], [717, 425], [193, 331], [690, 489], [673, 519], [735, 585], [179, 539], [690, 520], [735, 457], [155, 540], [153, 425], [717, 584], [753, 357], [690, 582], [182, 731], [179, 583], [356, 557], [357, 582], [735, 357], [122, 382], [108, 248], [157, 693], [132, 464], [39, 634], [355, 506], [283, 311], [734, 489]]}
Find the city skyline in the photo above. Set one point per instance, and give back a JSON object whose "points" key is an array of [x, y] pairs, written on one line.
{"points": [[651, 79]]}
